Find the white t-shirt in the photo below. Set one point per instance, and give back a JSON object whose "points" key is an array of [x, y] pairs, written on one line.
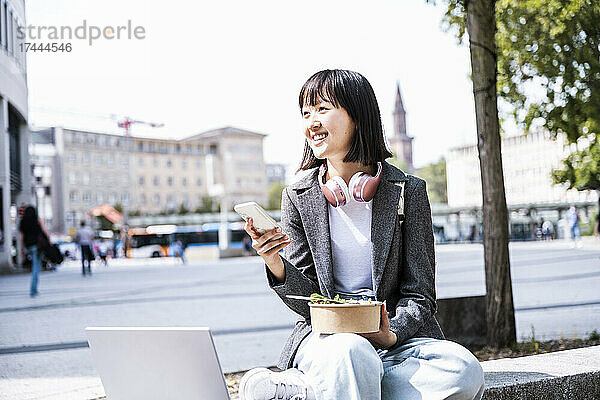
{"points": [[351, 247]]}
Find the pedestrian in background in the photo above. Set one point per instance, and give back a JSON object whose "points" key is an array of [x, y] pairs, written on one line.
{"points": [[573, 224], [33, 233], [103, 251], [178, 250], [547, 230], [85, 238]]}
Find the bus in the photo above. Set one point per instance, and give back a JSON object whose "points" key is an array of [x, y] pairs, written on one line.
{"points": [[155, 240]]}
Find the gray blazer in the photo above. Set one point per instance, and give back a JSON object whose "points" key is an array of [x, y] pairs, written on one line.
{"points": [[403, 256]]}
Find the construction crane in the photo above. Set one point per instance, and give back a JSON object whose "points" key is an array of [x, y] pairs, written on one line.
{"points": [[126, 123]]}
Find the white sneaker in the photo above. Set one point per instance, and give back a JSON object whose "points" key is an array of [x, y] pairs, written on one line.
{"points": [[263, 384]]}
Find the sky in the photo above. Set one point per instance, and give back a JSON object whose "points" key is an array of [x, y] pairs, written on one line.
{"points": [[204, 65]]}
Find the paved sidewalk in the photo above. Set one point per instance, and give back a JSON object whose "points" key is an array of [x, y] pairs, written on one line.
{"points": [[555, 289]]}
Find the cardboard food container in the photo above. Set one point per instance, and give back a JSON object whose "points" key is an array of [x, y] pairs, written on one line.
{"points": [[345, 318]]}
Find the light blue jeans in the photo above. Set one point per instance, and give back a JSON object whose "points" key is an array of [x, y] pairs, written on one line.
{"points": [[575, 232], [346, 366], [36, 265]]}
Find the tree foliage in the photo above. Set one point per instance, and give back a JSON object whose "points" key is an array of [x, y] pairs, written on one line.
{"points": [[208, 205], [581, 169], [400, 164], [552, 46], [274, 198], [435, 176]]}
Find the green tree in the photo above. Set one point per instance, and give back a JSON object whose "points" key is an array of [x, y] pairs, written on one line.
{"points": [[207, 205], [581, 169], [435, 176], [275, 195], [118, 207], [182, 209], [478, 18], [401, 164], [553, 45]]}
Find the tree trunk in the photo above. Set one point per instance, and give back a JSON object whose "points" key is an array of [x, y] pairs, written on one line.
{"points": [[500, 315]]}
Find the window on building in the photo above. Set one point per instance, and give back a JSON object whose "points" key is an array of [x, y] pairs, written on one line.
{"points": [[212, 149], [5, 26], [141, 180], [10, 37], [99, 160], [99, 180], [184, 181], [72, 178], [169, 163], [125, 198], [142, 199], [74, 196], [178, 148], [184, 164], [87, 197], [188, 149], [140, 146], [198, 164], [111, 160], [99, 198], [156, 199], [156, 181], [155, 162], [140, 161], [124, 162], [151, 147], [85, 178], [73, 158], [170, 181], [199, 182]]}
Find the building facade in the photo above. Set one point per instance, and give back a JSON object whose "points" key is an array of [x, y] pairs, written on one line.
{"points": [[15, 172], [148, 175], [96, 169], [527, 161], [46, 179], [400, 142]]}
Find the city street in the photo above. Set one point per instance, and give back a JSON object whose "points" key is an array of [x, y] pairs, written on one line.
{"points": [[43, 349]]}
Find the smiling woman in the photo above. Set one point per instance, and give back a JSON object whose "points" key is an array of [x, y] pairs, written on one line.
{"points": [[356, 227], [330, 103]]}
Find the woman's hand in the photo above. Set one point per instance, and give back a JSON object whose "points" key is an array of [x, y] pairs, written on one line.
{"points": [[267, 246], [384, 338]]}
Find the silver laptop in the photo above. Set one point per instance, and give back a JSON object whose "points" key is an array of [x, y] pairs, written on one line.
{"points": [[157, 363]]}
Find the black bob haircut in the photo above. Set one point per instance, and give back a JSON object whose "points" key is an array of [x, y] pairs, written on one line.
{"points": [[353, 92]]}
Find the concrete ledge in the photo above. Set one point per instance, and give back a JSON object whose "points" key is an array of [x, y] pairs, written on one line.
{"points": [[571, 374]]}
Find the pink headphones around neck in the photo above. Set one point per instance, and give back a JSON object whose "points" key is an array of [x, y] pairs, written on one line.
{"points": [[362, 186]]}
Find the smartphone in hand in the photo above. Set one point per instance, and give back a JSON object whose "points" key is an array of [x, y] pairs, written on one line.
{"points": [[260, 219]]}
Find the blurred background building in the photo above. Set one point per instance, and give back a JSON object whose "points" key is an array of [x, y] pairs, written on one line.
{"points": [[527, 160], [15, 172], [77, 171], [47, 179], [275, 173]]}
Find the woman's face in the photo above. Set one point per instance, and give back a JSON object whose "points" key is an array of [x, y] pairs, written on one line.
{"points": [[329, 130]]}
